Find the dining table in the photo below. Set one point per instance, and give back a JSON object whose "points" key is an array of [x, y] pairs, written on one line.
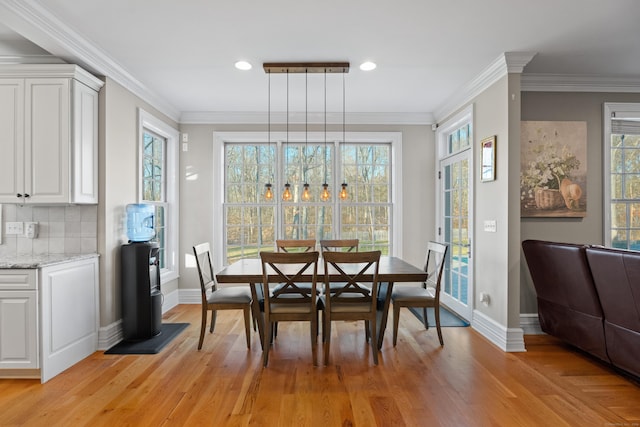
{"points": [[391, 270]]}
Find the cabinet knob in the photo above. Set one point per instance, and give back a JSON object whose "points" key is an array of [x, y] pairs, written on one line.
{"points": [[26, 196], [18, 195]]}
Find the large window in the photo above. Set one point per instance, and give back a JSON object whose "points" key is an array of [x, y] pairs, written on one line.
{"points": [[158, 186], [622, 176], [252, 224]]}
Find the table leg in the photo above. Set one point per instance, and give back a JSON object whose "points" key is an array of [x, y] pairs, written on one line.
{"points": [[383, 314], [257, 314]]}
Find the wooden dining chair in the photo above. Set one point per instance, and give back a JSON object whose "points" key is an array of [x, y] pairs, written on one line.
{"points": [[341, 245], [214, 298], [344, 245], [296, 245], [427, 294], [290, 302], [355, 299]]}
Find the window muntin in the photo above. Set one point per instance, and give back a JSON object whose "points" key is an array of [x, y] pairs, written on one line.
{"points": [[252, 223], [158, 186], [625, 189], [153, 184]]}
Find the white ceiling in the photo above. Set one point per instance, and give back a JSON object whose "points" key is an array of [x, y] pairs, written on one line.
{"points": [[181, 53]]}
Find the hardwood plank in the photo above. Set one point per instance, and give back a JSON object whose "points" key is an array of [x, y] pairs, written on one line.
{"points": [[467, 382]]}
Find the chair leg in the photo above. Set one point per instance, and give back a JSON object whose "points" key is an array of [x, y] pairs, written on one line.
{"points": [[266, 346], [374, 341], [203, 326], [436, 311], [396, 320], [314, 339], [326, 337], [424, 316], [213, 320], [367, 335], [247, 324]]}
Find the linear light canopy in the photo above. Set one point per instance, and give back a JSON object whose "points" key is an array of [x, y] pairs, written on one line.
{"points": [[306, 67]]}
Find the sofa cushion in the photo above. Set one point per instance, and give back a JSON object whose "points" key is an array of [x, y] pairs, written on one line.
{"points": [[568, 304]]}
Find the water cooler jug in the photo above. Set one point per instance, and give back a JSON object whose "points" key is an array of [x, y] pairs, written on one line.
{"points": [[140, 274]]}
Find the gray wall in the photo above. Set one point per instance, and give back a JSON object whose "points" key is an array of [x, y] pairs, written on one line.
{"points": [[118, 154], [496, 254], [563, 106], [197, 182]]}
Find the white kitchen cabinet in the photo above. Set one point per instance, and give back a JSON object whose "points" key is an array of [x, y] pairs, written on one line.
{"points": [[49, 318], [19, 321], [69, 308], [49, 133]]}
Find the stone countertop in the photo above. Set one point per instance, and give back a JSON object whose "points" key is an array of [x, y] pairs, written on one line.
{"points": [[39, 261]]}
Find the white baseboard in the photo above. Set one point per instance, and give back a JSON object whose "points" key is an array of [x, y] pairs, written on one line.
{"points": [[530, 324], [507, 339], [110, 335], [190, 296], [170, 300]]}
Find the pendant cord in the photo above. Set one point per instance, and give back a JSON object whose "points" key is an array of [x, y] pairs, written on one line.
{"points": [[325, 126]]}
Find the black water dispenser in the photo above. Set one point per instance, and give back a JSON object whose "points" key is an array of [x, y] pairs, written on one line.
{"points": [[140, 274]]}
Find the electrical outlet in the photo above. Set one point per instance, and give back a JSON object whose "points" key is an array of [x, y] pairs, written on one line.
{"points": [[13, 228], [485, 298]]}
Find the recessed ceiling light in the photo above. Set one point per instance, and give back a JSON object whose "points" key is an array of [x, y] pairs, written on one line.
{"points": [[368, 66], [243, 65]]}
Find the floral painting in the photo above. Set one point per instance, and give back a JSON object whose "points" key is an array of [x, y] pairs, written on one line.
{"points": [[553, 169]]}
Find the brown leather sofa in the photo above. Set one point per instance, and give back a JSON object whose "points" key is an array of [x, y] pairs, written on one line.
{"points": [[616, 274], [568, 303]]}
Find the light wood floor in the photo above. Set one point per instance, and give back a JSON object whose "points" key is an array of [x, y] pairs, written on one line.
{"points": [[468, 382]]}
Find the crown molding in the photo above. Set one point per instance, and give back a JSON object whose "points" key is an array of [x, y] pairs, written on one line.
{"points": [[35, 22], [508, 62], [214, 117], [30, 59], [69, 71], [578, 83]]}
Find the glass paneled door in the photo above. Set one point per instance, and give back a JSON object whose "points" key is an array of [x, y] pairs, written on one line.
{"points": [[455, 232]]}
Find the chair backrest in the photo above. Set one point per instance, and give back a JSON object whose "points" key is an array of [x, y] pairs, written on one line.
{"points": [[351, 277], [289, 270], [202, 253], [295, 245], [434, 265], [340, 245]]}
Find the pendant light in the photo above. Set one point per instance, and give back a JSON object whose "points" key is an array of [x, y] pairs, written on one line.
{"points": [[306, 194], [268, 193], [343, 192], [307, 67], [325, 195], [286, 195]]}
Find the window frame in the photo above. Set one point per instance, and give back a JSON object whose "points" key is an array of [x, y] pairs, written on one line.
{"points": [[333, 138], [609, 110], [147, 121]]}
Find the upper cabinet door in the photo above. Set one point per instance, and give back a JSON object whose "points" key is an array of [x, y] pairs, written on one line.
{"points": [[84, 185], [11, 139], [47, 140]]}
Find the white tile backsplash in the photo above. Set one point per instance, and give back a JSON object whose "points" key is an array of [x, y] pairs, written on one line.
{"points": [[61, 230]]}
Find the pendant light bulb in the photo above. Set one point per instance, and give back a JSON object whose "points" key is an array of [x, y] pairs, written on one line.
{"points": [[306, 194], [343, 193], [325, 195], [286, 195], [268, 194]]}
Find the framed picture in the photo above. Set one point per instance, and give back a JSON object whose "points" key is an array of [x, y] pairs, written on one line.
{"points": [[553, 169], [488, 159]]}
